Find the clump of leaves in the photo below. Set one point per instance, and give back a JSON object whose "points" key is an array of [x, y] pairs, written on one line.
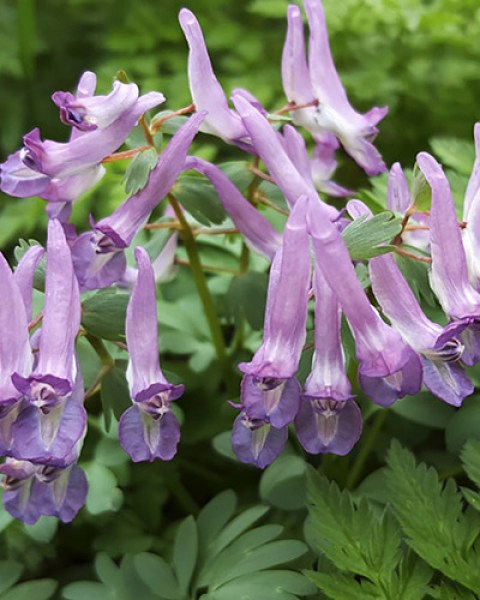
{"points": [[424, 534], [217, 556]]}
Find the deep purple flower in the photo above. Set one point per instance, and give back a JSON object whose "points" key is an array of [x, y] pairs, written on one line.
{"points": [[207, 93], [334, 112], [32, 491], [148, 429], [259, 234], [98, 256], [52, 418], [388, 368], [256, 442], [449, 274], [328, 419]]}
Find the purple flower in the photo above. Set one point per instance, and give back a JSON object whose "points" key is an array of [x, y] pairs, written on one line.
{"points": [[98, 256], [148, 429], [471, 215], [32, 491], [388, 368], [280, 165], [399, 201], [207, 93], [449, 275], [334, 112], [328, 419], [52, 418], [60, 172], [259, 234], [15, 352], [23, 275], [323, 166], [256, 442]]}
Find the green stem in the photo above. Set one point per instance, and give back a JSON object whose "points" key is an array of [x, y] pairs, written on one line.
{"points": [[365, 449], [203, 291], [181, 493]]}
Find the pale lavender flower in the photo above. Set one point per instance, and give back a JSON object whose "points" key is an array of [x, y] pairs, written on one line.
{"points": [[259, 234], [271, 150], [388, 368], [399, 201], [328, 420], [148, 429], [15, 352], [52, 418], [471, 215], [207, 93], [323, 166], [60, 172], [334, 112], [439, 349], [98, 256]]}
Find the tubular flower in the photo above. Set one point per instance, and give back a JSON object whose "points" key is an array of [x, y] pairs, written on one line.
{"points": [[15, 352], [388, 368], [449, 275], [439, 349], [270, 394], [471, 215], [207, 93], [259, 234], [60, 172], [399, 201], [148, 429], [280, 165], [323, 166], [98, 256], [328, 419], [52, 418], [333, 112], [32, 491]]}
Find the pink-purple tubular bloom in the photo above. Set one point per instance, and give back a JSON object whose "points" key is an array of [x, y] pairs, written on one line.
{"points": [[148, 429]]}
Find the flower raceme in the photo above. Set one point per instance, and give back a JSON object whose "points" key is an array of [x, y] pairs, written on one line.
{"points": [[42, 414]]}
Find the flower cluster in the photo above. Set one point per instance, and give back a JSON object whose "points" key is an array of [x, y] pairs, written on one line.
{"points": [[398, 348]]}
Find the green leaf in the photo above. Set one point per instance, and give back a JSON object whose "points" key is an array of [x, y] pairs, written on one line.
{"points": [[214, 516], [10, 572], [249, 554], [346, 587], [43, 530], [431, 517], [421, 190], [114, 392], [172, 125], [87, 590], [104, 314], [41, 589], [283, 483], [246, 297], [265, 585], [455, 153], [157, 575], [470, 457], [239, 173], [463, 425], [103, 493], [185, 551], [109, 574], [199, 198], [138, 171], [366, 238], [353, 535], [425, 409]]}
